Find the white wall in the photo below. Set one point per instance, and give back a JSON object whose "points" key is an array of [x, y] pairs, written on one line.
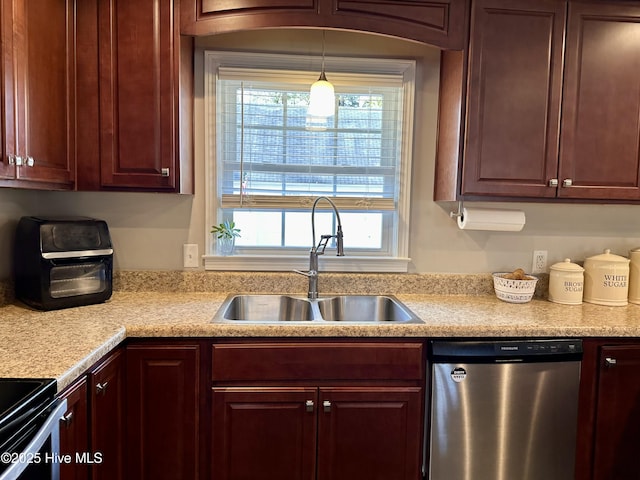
{"points": [[149, 229], [13, 204]]}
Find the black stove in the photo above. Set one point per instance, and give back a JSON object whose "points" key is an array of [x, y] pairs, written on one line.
{"points": [[25, 406]]}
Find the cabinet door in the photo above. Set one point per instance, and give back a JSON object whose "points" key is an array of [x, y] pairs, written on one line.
{"points": [[264, 433], [44, 52], [600, 142], [162, 411], [515, 83], [442, 23], [370, 432], [617, 429], [7, 120], [137, 87], [74, 432], [106, 383]]}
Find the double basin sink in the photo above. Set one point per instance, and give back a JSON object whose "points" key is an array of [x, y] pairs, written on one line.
{"points": [[292, 308]]}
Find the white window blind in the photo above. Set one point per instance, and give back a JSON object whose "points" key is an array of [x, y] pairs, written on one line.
{"points": [[268, 156]]}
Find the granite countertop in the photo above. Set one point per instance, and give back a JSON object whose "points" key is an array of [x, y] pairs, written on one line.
{"points": [[62, 344]]}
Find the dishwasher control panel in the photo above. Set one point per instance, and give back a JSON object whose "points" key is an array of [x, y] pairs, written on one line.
{"points": [[506, 349]]}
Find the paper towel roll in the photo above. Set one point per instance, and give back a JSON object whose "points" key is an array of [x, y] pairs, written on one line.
{"points": [[489, 219]]}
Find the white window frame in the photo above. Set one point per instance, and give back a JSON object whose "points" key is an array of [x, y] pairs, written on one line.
{"points": [[333, 66]]}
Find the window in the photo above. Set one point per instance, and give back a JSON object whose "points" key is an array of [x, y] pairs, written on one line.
{"points": [[268, 160]]}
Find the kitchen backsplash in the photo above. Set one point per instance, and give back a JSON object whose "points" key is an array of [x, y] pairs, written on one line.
{"points": [[270, 282]]}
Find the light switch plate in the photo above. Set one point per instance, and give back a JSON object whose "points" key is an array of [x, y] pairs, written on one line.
{"points": [[190, 255]]}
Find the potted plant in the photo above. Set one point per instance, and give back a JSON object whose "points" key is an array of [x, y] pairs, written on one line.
{"points": [[226, 234]]}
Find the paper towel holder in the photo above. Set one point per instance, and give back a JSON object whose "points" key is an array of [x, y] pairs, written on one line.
{"points": [[457, 214]]}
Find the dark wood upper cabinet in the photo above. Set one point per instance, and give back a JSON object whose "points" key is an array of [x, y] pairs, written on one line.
{"points": [[7, 108], [600, 147], [38, 62], [136, 74], [442, 23], [547, 113], [515, 86], [143, 64]]}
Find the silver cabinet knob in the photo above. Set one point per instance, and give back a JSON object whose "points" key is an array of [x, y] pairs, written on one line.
{"points": [[553, 182], [30, 162], [610, 362], [567, 182], [326, 406], [67, 419], [101, 388]]}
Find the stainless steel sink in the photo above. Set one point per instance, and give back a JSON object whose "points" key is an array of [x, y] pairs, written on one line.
{"points": [[364, 308], [266, 308], [291, 308]]}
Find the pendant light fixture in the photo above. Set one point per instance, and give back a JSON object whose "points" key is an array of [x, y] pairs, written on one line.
{"points": [[322, 100]]}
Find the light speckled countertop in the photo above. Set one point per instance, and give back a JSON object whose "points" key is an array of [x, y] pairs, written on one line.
{"points": [[62, 344]]}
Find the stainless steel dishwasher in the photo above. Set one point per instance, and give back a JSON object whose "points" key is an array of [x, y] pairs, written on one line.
{"points": [[503, 410]]}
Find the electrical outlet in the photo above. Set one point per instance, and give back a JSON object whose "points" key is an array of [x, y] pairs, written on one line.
{"points": [[190, 255], [539, 261]]}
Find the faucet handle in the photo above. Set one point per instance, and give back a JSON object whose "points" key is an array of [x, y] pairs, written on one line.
{"points": [[322, 244], [306, 274]]}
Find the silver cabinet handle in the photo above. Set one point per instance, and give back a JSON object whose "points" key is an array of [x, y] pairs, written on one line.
{"points": [[30, 162], [19, 161], [610, 362], [308, 405], [164, 172], [567, 182], [101, 387], [67, 419], [326, 406], [553, 182]]}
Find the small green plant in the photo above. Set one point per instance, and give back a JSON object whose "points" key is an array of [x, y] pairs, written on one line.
{"points": [[226, 229]]}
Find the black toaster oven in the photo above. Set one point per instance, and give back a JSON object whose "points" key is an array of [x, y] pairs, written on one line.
{"points": [[62, 262]]}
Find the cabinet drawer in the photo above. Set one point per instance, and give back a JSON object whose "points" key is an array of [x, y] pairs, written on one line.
{"points": [[318, 361]]}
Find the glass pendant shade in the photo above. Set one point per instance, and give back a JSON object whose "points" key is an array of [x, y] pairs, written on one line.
{"points": [[322, 100]]}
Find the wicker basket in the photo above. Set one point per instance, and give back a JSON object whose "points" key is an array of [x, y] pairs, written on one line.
{"points": [[514, 291]]}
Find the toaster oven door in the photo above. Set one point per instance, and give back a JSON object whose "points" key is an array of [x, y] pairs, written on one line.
{"points": [[74, 279]]}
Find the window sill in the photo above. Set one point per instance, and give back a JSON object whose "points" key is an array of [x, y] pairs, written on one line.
{"points": [[330, 263]]}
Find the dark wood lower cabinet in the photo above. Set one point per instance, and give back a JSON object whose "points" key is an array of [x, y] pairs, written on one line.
{"points": [[106, 383], [617, 422], [342, 433], [317, 409], [163, 395], [372, 433], [74, 432], [264, 433]]}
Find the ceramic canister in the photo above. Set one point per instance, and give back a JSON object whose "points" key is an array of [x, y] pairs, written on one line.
{"points": [[634, 276], [606, 279], [566, 283]]}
